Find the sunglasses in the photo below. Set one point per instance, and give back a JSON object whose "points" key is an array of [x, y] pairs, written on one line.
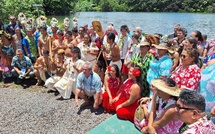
{"points": [[183, 56], [185, 108]]}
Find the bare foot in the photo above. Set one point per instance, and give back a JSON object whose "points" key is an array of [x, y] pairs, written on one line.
{"points": [[7, 85]]}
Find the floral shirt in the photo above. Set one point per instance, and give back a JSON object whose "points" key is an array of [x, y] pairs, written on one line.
{"points": [[202, 126], [25, 63], [188, 77]]}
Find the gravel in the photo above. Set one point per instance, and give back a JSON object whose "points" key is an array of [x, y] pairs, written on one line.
{"points": [[24, 111]]}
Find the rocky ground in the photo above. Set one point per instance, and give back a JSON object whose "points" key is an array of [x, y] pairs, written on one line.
{"points": [[33, 110]]}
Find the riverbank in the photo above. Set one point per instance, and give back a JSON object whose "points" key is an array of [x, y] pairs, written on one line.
{"points": [[35, 111]]}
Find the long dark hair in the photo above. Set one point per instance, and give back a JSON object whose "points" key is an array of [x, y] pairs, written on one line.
{"points": [[139, 80], [117, 70]]}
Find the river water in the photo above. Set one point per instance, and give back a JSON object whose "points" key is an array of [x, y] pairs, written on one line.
{"points": [[151, 22]]}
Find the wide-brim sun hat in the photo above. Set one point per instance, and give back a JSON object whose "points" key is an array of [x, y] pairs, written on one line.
{"points": [[144, 43], [164, 46], [161, 85]]}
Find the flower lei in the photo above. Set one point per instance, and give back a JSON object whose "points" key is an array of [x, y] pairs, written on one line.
{"points": [[136, 72], [141, 63]]}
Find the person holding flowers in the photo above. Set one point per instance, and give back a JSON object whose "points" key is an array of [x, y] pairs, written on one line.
{"points": [[143, 59], [130, 92], [112, 84]]}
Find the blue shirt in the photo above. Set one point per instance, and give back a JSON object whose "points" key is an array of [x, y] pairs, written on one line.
{"points": [[25, 63], [31, 46], [10, 28], [159, 68], [91, 84]]}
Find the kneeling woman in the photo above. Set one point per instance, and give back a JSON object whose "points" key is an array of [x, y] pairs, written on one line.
{"points": [[67, 84], [130, 93]]}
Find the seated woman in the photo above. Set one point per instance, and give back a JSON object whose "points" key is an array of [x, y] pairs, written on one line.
{"points": [[42, 67], [112, 83], [187, 75], [98, 68], [67, 84], [163, 106], [130, 92], [207, 82], [161, 66], [7, 51]]}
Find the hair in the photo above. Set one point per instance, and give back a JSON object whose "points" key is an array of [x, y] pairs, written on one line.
{"points": [[192, 52], [82, 28], [117, 70], [89, 64], [139, 29], [139, 79], [88, 36], [111, 36], [76, 49], [204, 36], [183, 30], [19, 51], [192, 41], [43, 27], [46, 52], [60, 32], [69, 33], [136, 36], [125, 27], [75, 30], [192, 99], [152, 39], [100, 64], [199, 35]]}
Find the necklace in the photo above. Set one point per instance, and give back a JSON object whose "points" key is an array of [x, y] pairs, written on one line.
{"points": [[44, 39], [143, 59]]}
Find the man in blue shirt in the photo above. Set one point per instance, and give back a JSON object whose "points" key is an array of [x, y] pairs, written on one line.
{"points": [[10, 28], [88, 85], [22, 66]]}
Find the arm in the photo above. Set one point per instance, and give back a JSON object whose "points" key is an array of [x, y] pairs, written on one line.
{"points": [[200, 50], [135, 94], [175, 61], [107, 89], [39, 47], [17, 70]]}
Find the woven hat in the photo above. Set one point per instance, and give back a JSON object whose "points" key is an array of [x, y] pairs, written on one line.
{"points": [[41, 21], [66, 22], [144, 43], [164, 46], [60, 51], [22, 18], [75, 19], [54, 22], [161, 85], [29, 24]]}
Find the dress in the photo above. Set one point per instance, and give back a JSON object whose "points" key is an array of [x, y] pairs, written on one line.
{"points": [[143, 62], [67, 84], [202, 126], [188, 77], [207, 86], [113, 85], [127, 112], [170, 128]]}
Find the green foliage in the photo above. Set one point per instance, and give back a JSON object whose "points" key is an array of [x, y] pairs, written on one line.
{"points": [[14, 7]]}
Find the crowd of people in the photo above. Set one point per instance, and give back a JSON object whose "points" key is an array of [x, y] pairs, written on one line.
{"points": [[169, 78]]}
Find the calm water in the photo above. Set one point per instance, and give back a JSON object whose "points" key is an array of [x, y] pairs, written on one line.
{"points": [[151, 22]]}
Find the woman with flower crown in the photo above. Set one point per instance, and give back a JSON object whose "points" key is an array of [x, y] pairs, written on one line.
{"points": [[67, 84], [142, 59], [130, 92]]}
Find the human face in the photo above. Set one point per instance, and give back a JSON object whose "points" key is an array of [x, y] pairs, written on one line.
{"points": [[17, 30], [54, 29], [12, 20], [161, 52], [193, 34], [29, 33], [180, 34], [81, 31], [123, 32], [19, 55], [176, 28], [43, 31], [45, 55], [112, 72], [74, 55], [186, 59], [66, 28], [187, 44], [137, 31], [86, 38], [86, 70], [184, 113], [130, 75], [95, 68], [144, 49], [109, 41]]}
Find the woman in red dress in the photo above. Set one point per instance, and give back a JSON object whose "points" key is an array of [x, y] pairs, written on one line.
{"points": [[130, 93], [112, 83]]}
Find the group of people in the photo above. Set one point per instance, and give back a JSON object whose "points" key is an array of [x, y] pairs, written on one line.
{"points": [[169, 78]]}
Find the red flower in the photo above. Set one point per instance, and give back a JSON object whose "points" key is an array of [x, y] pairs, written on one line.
{"points": [[109, 68], [136, 72]]}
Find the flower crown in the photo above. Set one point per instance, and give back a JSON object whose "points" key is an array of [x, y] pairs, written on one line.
{"points": [[136, 72]]}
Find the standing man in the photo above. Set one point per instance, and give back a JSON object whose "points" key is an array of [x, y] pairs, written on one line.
{"points": [[174, 34], [88, 85], [10, 28]]}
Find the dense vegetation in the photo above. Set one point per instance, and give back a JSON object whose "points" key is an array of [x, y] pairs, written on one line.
{"points": [[62, 7]]}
